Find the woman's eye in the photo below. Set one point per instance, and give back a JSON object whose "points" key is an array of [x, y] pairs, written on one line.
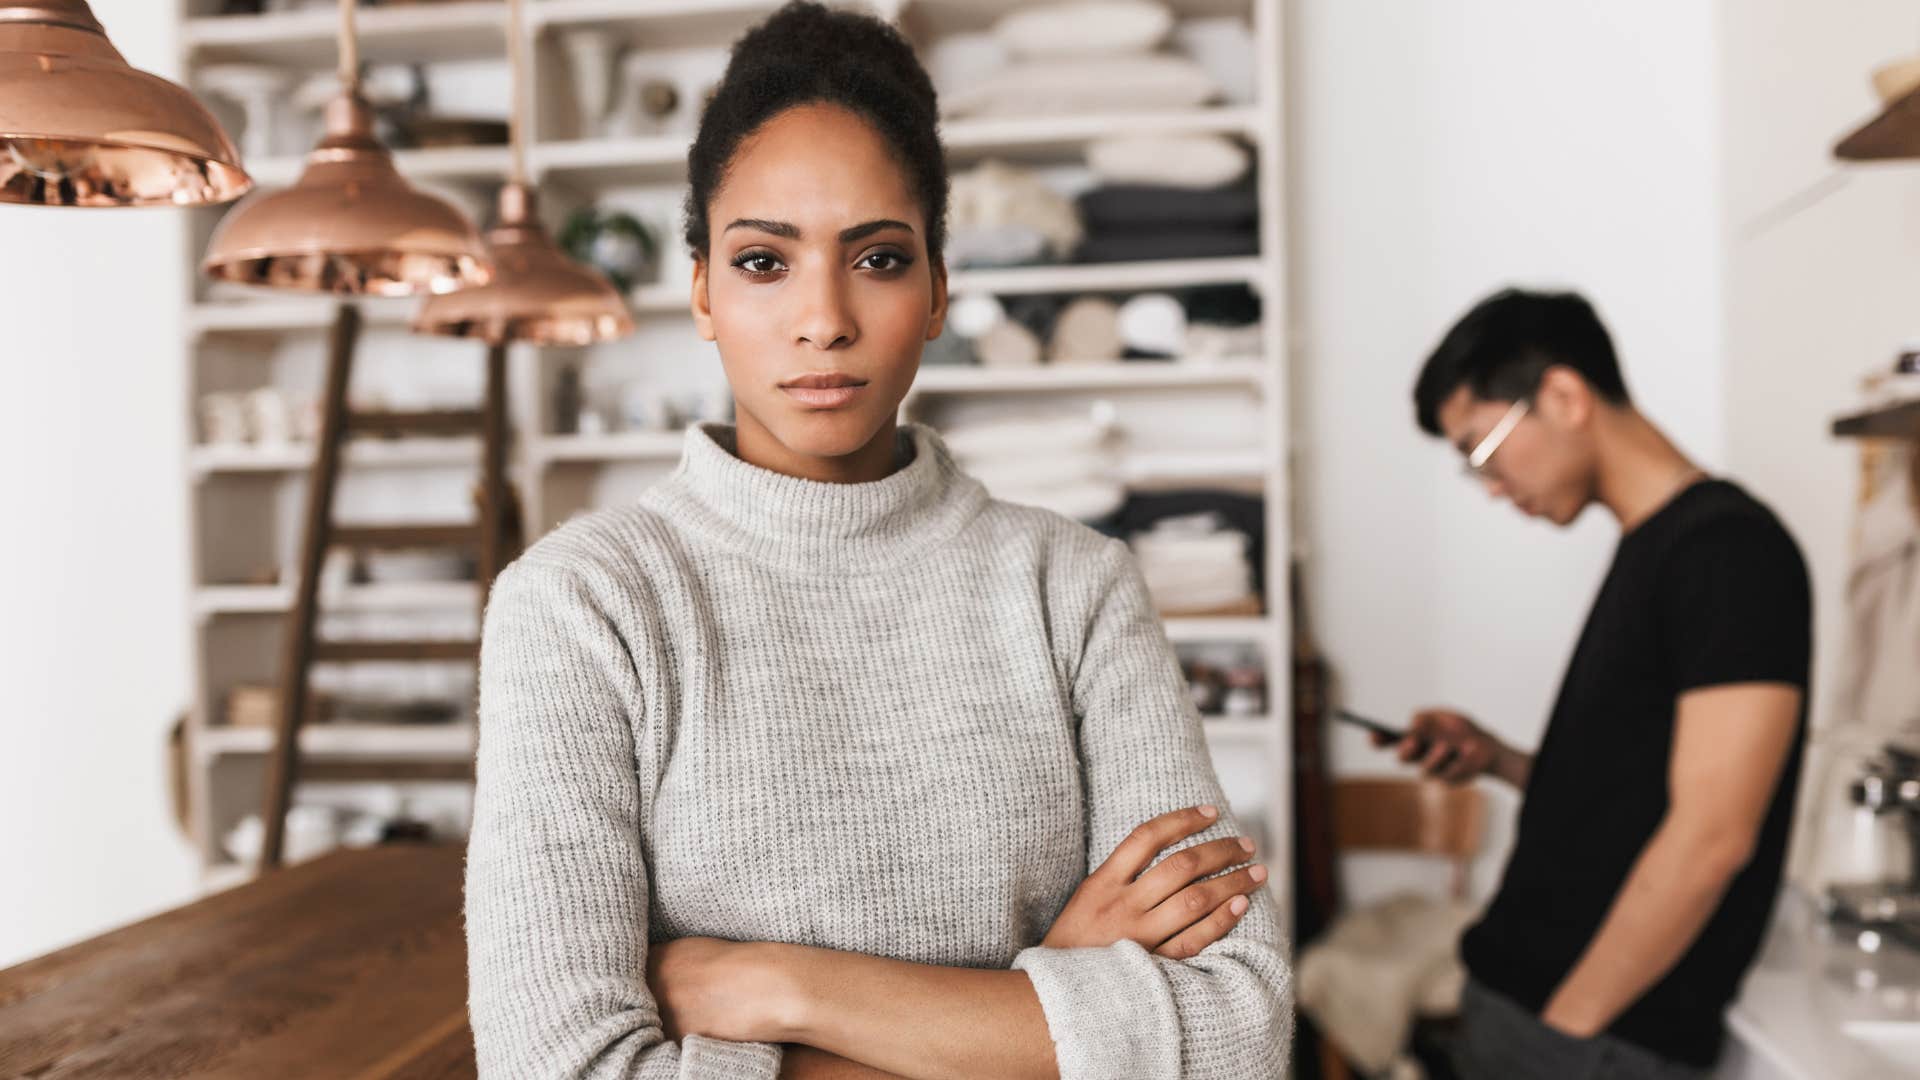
{"points": [[887, 260], [759, 264]]}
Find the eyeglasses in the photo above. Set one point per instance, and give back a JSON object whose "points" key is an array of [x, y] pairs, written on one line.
{"points": [[1476, 464]]}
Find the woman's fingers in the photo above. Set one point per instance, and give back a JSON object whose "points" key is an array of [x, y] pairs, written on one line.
{"points": [[1183, 867], [1137, 851], [1188, 943], [1193, 903]]}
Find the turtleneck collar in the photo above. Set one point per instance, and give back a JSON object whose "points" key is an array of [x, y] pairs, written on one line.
{"points": [[811, 525]]}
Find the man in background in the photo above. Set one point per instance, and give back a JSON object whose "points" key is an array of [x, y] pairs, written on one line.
{"points": [[1656, 811]]}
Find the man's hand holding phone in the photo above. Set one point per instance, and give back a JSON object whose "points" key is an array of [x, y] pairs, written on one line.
{"points": [[1449, 746]]}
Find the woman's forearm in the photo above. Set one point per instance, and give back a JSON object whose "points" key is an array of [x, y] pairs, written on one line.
{"points": [[802, 1062], [918, 1020]]}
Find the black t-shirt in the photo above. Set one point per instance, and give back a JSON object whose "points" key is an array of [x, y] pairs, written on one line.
{"points": [[1709, 590]]}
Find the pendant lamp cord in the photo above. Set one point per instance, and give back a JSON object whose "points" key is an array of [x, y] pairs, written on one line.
{"points": [[349, 48], [517, 80]]}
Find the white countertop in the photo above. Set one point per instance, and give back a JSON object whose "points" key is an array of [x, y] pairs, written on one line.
{"points": [[1808, 990]]}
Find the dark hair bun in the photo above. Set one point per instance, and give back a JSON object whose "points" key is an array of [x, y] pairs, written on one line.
{"points": [[804, 54]]}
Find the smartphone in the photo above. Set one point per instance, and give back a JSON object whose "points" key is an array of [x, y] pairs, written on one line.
{"points": [[1391, 734]]}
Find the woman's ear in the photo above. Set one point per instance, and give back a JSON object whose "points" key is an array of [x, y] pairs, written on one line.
{"points": [[702, 309], [937, 318]]}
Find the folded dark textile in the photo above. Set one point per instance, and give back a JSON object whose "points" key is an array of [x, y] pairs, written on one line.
{"points": [[1116, 207], [1247, 513], [1176, 243], [1225, 305], [1036, 311]]}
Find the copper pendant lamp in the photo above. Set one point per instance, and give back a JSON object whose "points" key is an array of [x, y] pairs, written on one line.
{"points": [[80, 127], [537, 294], [351, 224]]}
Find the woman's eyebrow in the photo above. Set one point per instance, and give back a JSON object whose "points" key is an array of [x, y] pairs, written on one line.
{"points": [[792, 232]]}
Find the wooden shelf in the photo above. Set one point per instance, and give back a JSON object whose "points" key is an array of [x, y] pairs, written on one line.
{"points": [[1151, 468], [477, 164], [282, 313], [662, 24], [1047, 136], [467, 29], [1900, 420], [613, 161], [1109, 277], [1892, 135], [643, 159], [1185, 629], [292, 314], [1237, 729], [293, 457], [663, 446], [444, 740], [211, 600]]}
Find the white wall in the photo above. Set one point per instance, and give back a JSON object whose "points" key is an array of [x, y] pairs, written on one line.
{"points": [[1441, 151], [1822, 263], [93, 645]]}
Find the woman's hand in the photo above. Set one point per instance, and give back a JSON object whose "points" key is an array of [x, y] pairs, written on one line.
{"points": [[721, 989], [1168, 910]]}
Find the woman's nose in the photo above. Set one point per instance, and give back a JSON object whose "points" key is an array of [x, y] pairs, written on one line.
{"points": [[825, 319]]}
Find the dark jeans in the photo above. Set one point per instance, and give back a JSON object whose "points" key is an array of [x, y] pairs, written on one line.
{"points": [[1499, 1040]]}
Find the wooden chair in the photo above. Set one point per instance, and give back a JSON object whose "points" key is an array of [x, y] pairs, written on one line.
{"points": [[1403, 816], [1415, 817]]}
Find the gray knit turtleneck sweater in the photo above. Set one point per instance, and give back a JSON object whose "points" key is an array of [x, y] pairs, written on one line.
{"points": [[897, 718]]}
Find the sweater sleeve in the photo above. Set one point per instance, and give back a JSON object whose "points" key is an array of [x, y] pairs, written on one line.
{"points": [[1121, 1010], [556, 883]]}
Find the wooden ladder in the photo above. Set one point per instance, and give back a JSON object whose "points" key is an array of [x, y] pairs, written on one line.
{"points": [[494, 537]]}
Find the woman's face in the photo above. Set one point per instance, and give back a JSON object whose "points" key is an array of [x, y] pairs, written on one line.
{"points": [[817, 287]]}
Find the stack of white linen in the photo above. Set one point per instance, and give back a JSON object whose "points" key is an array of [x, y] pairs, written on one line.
{"points": [[1195, 563], [1091, 56], [1065, 463]]}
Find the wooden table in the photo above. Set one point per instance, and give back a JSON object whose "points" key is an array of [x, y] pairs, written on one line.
{"points": [[352, 965]]}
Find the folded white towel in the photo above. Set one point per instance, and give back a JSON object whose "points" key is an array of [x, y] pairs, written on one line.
{"points": [[1057, 434], [956, 61], [1223, 45], [995, 195], [1007, 472], [1186, 161], [1081, 502], [1194, 562], [1085, 28], [1088, 84]]}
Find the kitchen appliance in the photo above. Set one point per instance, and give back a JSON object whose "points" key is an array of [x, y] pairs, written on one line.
{"points": [[1880, 898]]}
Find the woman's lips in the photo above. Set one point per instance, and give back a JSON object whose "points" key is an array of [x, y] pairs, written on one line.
{"points": [[824, 397], [825, 391]]}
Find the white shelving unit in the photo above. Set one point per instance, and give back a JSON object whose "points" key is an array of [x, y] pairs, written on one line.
{"points": [[246, 500]]}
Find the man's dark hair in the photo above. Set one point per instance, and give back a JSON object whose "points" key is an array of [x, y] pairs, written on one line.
{"points": [[1501, 348], [805, 54]]}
